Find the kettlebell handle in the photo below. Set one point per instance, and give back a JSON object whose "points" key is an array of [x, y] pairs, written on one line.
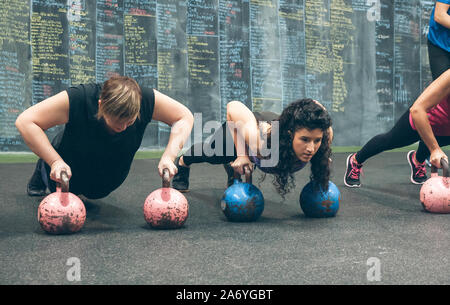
{"points": [[444, 165], [247, 172], [64, 184], [166, 178]]}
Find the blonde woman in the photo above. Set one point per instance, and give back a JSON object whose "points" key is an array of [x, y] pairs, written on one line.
{"points": [[104, 127]]}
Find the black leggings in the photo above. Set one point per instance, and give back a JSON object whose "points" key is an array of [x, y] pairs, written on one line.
{"points": [[400, 135], [221, 155], [439, 60]]}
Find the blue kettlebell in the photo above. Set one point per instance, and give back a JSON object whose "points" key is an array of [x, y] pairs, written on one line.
{"points": [[318, 203], [242, 201]]}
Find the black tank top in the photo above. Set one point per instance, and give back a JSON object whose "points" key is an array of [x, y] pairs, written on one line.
{"points": [[100, 161]]}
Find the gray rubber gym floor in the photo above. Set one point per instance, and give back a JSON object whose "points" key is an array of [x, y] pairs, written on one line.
{"points": [[379, 227]]}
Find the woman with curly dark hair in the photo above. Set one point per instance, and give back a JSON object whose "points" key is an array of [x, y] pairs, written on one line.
{"points": [[276, 144]]}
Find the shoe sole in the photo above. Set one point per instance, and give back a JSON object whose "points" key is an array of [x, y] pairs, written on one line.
{"points": [[183, 191], [411, 166], [36, 194], [345, 175]]}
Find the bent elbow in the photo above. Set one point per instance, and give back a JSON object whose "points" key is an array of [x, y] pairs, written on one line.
{"points": [[231, 108], [20, 122], [189, 117], [413, 110], [233, 104]]}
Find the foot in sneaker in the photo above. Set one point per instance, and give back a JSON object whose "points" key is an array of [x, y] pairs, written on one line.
{"points": [[418, 170], [36, 187], [353, 172], [180, 181], [230, 174]]}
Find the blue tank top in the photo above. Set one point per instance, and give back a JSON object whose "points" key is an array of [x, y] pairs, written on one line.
{"points": [[438, 34]]}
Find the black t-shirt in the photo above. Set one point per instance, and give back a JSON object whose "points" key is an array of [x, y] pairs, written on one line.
{"points": [[100, 161]]}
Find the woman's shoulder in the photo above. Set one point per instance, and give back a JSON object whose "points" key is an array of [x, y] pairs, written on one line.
{"points": [[84, 91], [83, 101], [147, 103], [148, 94]]}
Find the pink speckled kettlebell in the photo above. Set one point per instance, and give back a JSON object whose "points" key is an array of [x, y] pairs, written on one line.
{"points": [[166, 208], [62, 212], [435, 192]]}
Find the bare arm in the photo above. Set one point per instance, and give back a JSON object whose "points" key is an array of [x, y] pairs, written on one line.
{"points": [[32, 122], [245, 131], [440, 14], [180, 118], [245, 127], [433, 95]]}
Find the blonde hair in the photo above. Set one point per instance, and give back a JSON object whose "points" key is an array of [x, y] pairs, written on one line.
{"points": [[121, 98]]}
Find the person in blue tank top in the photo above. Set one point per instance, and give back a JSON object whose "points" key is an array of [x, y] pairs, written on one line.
{"points": [[439, 42], [103, 128], [275, 144], [439, 38]]}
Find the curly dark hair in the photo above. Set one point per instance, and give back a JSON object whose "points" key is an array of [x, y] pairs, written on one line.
{"points": [[304, 113]]}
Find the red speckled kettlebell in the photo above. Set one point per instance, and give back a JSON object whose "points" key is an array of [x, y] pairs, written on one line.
{"points": [[166, 208], [435, 192], [62, 212]]}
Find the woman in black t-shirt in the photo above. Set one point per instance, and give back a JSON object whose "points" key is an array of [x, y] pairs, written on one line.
{"points": [[104, 127]]}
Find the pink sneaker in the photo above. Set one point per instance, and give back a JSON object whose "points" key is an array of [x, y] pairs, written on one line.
{"points": [[353, 172], [418, 170]]}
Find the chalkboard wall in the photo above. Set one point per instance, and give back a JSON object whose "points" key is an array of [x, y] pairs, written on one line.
{"points": [[365, 60]]}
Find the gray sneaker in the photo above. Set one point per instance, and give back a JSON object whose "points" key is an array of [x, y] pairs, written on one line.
{"points": [[180, 181], [36, 186]]}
